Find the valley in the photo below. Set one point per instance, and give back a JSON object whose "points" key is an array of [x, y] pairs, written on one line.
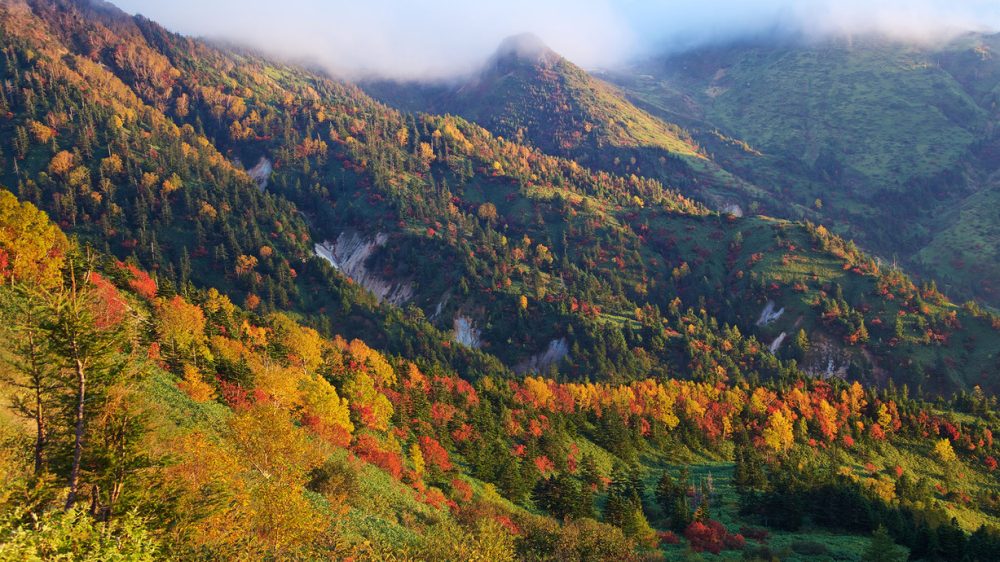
{"points": [[699, 306]]}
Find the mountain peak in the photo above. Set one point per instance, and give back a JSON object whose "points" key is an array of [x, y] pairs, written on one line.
{"points": [[525, 47]]}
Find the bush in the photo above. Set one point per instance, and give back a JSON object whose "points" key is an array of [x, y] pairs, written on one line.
{"points": [[335, 479], [75, 535], [668, 537], [809, 548], [712, 536]]}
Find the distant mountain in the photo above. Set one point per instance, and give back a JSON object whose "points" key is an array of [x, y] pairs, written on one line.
{"points": [[527, 92], [426, 235], [895, 145], [247, 312]]}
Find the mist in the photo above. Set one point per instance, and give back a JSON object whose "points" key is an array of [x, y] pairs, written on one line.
{"points": [[438, 39]]}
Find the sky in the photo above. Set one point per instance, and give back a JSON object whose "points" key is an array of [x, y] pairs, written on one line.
{"points": [[413, 39]]}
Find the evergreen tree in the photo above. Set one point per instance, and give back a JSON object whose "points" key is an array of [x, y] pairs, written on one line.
{"points": [[589, 473], [88, 354], [883, 549]]}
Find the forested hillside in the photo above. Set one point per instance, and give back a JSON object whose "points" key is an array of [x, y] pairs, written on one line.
{"points": [[892, 142], [248, 312], [534, 260], [168, 425]]}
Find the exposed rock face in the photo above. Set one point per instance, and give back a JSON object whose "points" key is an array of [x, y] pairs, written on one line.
{"points": [[349, 254], [776, 344], [261, 173], [554, 353], [733, 209], [826, 359], [439, 307], [466, 332], [769, 314]]}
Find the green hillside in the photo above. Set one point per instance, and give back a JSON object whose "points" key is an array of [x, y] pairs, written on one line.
{"points": [[247, 312], [498, 253], [885, 142]]}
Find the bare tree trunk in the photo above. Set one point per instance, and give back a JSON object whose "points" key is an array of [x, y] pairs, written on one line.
{"points": [[81, 393], [40, 434], [38, 382]]}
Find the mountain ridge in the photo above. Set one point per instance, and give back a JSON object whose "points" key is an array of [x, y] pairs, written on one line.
{"points": [[400, 336]]}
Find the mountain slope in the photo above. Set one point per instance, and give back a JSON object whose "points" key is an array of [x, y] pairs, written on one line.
{"points": [[878, 139], [529, 93], [694, 399], [215, 432], [497, 257]]}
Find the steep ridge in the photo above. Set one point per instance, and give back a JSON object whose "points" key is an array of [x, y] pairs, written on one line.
{"points": [[530, 248], [891, 143], [145, 415], [527, 92]]}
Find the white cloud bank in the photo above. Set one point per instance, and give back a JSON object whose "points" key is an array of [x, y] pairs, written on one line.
{"points": [[438, 38]]}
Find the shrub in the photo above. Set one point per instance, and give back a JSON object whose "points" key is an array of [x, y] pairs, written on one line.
{"points": [[668, 537], [712, 536], [335, 479], [809, 548], [368, 448]]}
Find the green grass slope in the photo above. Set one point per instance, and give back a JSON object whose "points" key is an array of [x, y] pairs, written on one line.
{"points": [[882, 141]]}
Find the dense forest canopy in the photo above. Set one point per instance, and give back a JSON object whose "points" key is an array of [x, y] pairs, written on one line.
{"points": [[249, 312]]}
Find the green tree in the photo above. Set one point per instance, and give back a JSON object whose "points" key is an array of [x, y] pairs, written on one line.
{"points": [[883, 549], [29, 363], [800, 345], [88, 355]]}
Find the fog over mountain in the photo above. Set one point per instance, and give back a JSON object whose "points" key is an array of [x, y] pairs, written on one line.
{"points": [[437, 38]]}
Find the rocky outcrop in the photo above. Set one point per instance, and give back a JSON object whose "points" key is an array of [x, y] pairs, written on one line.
{"points": [[466, 332], [826, 359], [733, 209], [439, 307], [554, 353], [261, 173], [769, 314], [776, 344], [350, 253]]}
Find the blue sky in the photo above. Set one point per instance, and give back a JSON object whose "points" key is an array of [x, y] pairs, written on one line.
{"points": [[438, 38]]}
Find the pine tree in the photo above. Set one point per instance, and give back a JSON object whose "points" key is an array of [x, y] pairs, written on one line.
{"points": [[32, 376], [87, 352], [589, 472], [883, 549], [702, 513]]}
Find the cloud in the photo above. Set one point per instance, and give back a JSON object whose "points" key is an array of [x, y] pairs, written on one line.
{"points": [[681, 24], [440, 38]]}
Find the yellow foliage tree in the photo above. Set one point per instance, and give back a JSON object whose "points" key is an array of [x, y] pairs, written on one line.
{"points": [[241, 496], [320, 398], [417, 458], [779, 435], [193, 385], [61, 163], [944, 451], [31, 247], [181, 326]]}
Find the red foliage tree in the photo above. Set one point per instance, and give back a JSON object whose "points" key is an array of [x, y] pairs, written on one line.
{"points": [[544, 464], [434, 454], [712, 536], [109, 306], [139, 281], [370, 450]]}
